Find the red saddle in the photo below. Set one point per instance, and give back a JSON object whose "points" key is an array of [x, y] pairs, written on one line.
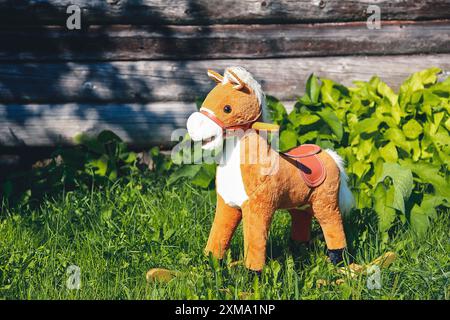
{"points": [[311, 166]]}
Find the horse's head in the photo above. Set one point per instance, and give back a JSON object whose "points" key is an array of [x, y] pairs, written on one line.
{"points": [[236, 102]]}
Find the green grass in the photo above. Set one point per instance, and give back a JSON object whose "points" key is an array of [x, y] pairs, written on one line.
{"points": [[116, 233]]}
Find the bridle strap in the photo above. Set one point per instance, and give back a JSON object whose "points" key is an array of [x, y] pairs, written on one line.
{"points": [[213, 118], [243, 126]]}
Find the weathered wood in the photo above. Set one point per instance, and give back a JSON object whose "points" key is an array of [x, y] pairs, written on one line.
{"points": [[145, 81], [216, 11], [222, 41], [57, 124], [140, 125]]}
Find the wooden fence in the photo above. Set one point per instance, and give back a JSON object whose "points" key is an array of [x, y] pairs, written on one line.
{"points": [[136, 66]]}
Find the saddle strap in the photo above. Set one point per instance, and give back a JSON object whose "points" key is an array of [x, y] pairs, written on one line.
{"points": [[312, 170], [310, 165]]}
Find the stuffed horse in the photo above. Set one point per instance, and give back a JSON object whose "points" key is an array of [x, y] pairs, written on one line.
{"points": [[307, 181]]}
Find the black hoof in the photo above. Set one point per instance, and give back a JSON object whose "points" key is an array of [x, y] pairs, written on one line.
{"points": [[254, 273], [336, 256]]}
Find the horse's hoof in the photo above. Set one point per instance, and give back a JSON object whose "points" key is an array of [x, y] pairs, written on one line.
{"points": [[159, 274], [255, 273], [336, 256]]}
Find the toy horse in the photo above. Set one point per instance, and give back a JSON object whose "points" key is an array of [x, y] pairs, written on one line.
{"points": [[307, 181]]}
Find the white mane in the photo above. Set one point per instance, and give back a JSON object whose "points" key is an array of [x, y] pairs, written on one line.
{"points": [[247, 77]]}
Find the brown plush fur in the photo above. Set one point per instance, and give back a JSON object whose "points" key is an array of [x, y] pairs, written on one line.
{"points": [[284, 189], [244, 103]]}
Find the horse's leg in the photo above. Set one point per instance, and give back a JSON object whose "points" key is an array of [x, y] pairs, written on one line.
{"points": [[225, 222], [257, 216], [329, 217], [301, 224]]}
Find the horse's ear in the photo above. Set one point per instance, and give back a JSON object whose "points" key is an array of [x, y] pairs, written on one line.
{"points": [[238, 83], [215, 76]]}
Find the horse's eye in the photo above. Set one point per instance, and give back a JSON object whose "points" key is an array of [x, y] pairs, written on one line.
{"points": [[227, 109]]}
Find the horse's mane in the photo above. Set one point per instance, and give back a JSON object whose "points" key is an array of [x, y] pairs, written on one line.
{"points": [[247, 77]]}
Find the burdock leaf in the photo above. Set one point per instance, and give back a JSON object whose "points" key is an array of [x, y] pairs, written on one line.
{"points": [[402, 182]]}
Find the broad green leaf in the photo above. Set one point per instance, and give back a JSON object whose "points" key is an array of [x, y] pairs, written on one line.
{"points": [[128, 157], [329, 94], [416, 98], [308, 119], [389, 152], [385, 91], [431, 99], [352, 120], [419, 219], [368, 125], [374, 81], [276, 109], [288, 140], [324, 144], [330, 118], [402, 183], [397, 136], [186, 171], [359, 168], [430, 202], [204, 177], [384, 206], [302, 119], [363, 149], [377, 171], [431, 127], [313, 88], [416, 82], [100, 165], [108, 136], [113, 174], [363, 200], [308, 137], [412, 129], [429, 76], [422, 214], [415, 147], [437, 118], [429, 173], [90, 142], [447, 124], [388, 113]]}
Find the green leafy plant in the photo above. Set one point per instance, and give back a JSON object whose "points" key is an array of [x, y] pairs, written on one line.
{"points": [[396, 145], [199, 173], [94, 160], [105, 155]]}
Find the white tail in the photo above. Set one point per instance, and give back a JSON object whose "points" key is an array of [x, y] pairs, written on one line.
{"points": [[346, 200]]}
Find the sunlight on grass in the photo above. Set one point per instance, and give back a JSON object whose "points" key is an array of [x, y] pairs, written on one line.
{"points": [[117, 233]]}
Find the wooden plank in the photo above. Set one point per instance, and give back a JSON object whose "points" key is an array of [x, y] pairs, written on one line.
{"points": [[147, 81], [216, 11], [140, 125], [40, 125], [222, 41]]}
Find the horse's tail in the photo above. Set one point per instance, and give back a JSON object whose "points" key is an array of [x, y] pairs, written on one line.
{"points": [[346, 200]]}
